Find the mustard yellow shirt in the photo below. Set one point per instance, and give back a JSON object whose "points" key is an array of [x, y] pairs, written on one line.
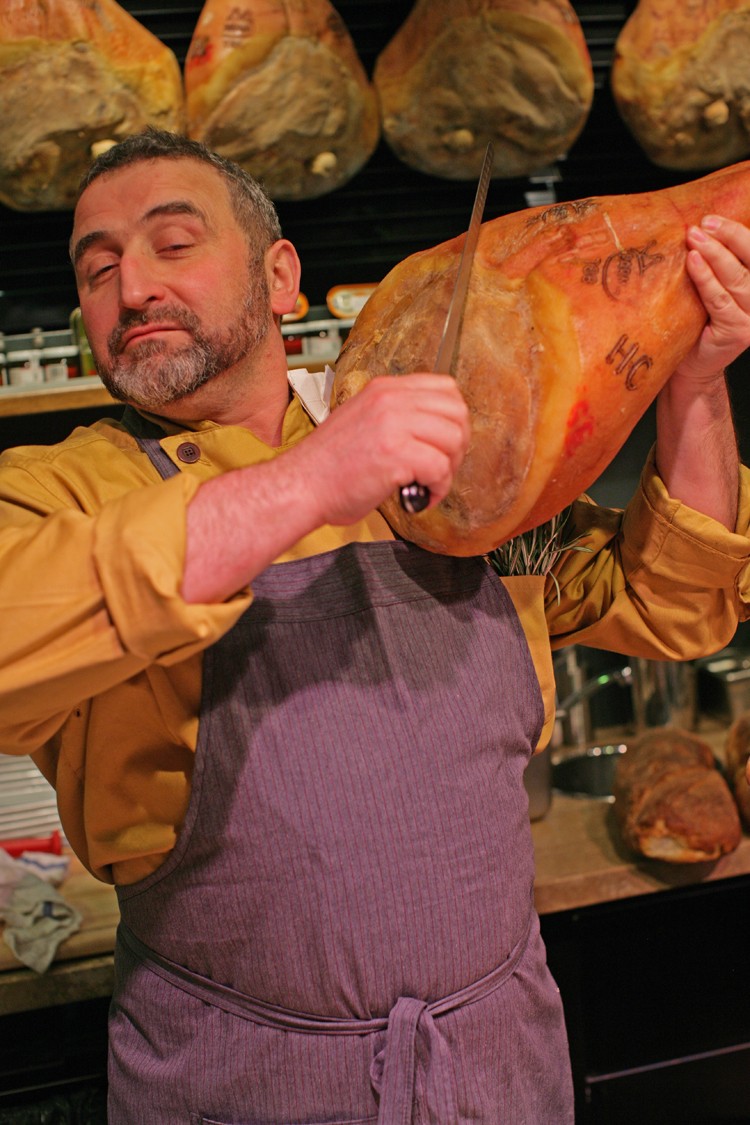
{"points": [[100, 662]]}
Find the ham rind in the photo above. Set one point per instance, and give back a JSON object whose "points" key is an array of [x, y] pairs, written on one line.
{"points": [[75, 79], [279, 88], [457, 75], [681, 81], [576, 316]]}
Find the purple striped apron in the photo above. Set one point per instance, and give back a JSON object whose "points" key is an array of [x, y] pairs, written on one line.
{"points": [[344, 932]]}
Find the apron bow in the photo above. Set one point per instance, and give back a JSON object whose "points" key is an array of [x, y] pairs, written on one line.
{"points": [[415, 1062]]}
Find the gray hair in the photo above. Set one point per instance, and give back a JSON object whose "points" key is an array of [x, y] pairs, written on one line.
{"points": [[251, 205]]}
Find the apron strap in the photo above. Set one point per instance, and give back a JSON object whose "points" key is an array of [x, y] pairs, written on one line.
{"points": [[238, 1003], [147, 435]]}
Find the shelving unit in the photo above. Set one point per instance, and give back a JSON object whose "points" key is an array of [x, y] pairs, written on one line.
{"points": [[311, 342]]}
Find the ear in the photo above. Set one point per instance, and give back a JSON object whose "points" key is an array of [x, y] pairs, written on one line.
{"points": [[283, 271]]}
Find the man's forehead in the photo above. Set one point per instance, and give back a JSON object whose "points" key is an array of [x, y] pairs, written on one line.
{"points": [[139, 186], [139, 193], [82, 239]]}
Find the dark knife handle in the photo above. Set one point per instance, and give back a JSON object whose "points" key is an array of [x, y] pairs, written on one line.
{"points": [[414, 497]]}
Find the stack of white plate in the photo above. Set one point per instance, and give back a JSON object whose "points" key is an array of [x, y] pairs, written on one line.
{"points": [[28, 808]]}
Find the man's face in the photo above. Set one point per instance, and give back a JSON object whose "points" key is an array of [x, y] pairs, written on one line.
{"points": [[168, 295]]}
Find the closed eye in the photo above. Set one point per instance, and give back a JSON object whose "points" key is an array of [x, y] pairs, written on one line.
{"points": [[176, 247], [94, 275]]}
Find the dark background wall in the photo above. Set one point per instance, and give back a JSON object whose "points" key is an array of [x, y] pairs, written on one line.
{"points": [[359, 232]]}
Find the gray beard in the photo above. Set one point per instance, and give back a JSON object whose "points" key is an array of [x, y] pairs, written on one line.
{"points": [[153, 375]]}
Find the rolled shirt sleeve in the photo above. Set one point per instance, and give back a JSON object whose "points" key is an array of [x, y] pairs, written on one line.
{"points": [[139, 553], [89, 599], [658, 580]]}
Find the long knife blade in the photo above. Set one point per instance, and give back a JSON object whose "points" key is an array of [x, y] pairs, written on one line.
{"points": [[458, 300], [415, 497]]}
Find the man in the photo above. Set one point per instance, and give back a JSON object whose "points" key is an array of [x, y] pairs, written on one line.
{"points": [[295, 743]]}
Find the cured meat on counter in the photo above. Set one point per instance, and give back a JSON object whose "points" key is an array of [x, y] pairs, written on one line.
{"points": [[75, 77], [737, 756], [671, 801], [459, 74], [681, 81], [576, 316], [277, 86]]}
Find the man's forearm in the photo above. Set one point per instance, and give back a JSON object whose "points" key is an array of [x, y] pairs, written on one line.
{"points": [[696, 448], [238, 524], [414, 427]]}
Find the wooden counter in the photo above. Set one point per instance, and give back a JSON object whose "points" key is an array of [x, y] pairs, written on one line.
{"points": [[82, 968], [581, 859], [580, 862]]}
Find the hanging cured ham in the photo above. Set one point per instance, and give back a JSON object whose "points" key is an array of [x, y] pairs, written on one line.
{"points": [[576, 316], [278, 87], [681, 81], [75, 78], [458, 74]]}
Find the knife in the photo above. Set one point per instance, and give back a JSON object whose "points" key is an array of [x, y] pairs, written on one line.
{"points": [[415, 497]]}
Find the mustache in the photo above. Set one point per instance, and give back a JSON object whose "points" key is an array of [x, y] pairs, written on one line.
{"points": [[133, 318]]}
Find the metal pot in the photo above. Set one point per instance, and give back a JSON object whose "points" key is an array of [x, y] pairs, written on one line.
{"points": [[664, 694], [590, 773], [538, 782]]}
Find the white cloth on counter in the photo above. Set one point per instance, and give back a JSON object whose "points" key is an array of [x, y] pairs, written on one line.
{"points": [[37, 917]]}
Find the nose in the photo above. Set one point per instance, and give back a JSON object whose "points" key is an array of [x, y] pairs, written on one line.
{"points": [[139, 281]]}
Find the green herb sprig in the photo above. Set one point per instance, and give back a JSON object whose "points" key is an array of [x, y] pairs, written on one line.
{"points": [[536, 551]]}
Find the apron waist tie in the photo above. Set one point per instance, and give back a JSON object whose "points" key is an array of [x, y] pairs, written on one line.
{"points": [[394, 1069]]}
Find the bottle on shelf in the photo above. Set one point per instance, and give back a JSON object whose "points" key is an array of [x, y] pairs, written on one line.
{"points": [[39, 355], [25, 365], [86, 359]]}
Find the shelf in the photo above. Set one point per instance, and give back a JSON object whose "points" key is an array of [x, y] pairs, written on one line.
{"points": [[76, 394], [312, 342], [87, 391]]}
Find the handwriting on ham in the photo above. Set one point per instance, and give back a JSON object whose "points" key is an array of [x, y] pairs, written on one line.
{"points": [[243, 22], [628, 360], [561, 212]]}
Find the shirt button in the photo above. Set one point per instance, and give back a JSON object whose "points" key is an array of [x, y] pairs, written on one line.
{"points": [[188, 452]]}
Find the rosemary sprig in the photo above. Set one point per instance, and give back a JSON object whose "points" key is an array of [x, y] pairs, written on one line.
{"points": [[536, 551]]}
